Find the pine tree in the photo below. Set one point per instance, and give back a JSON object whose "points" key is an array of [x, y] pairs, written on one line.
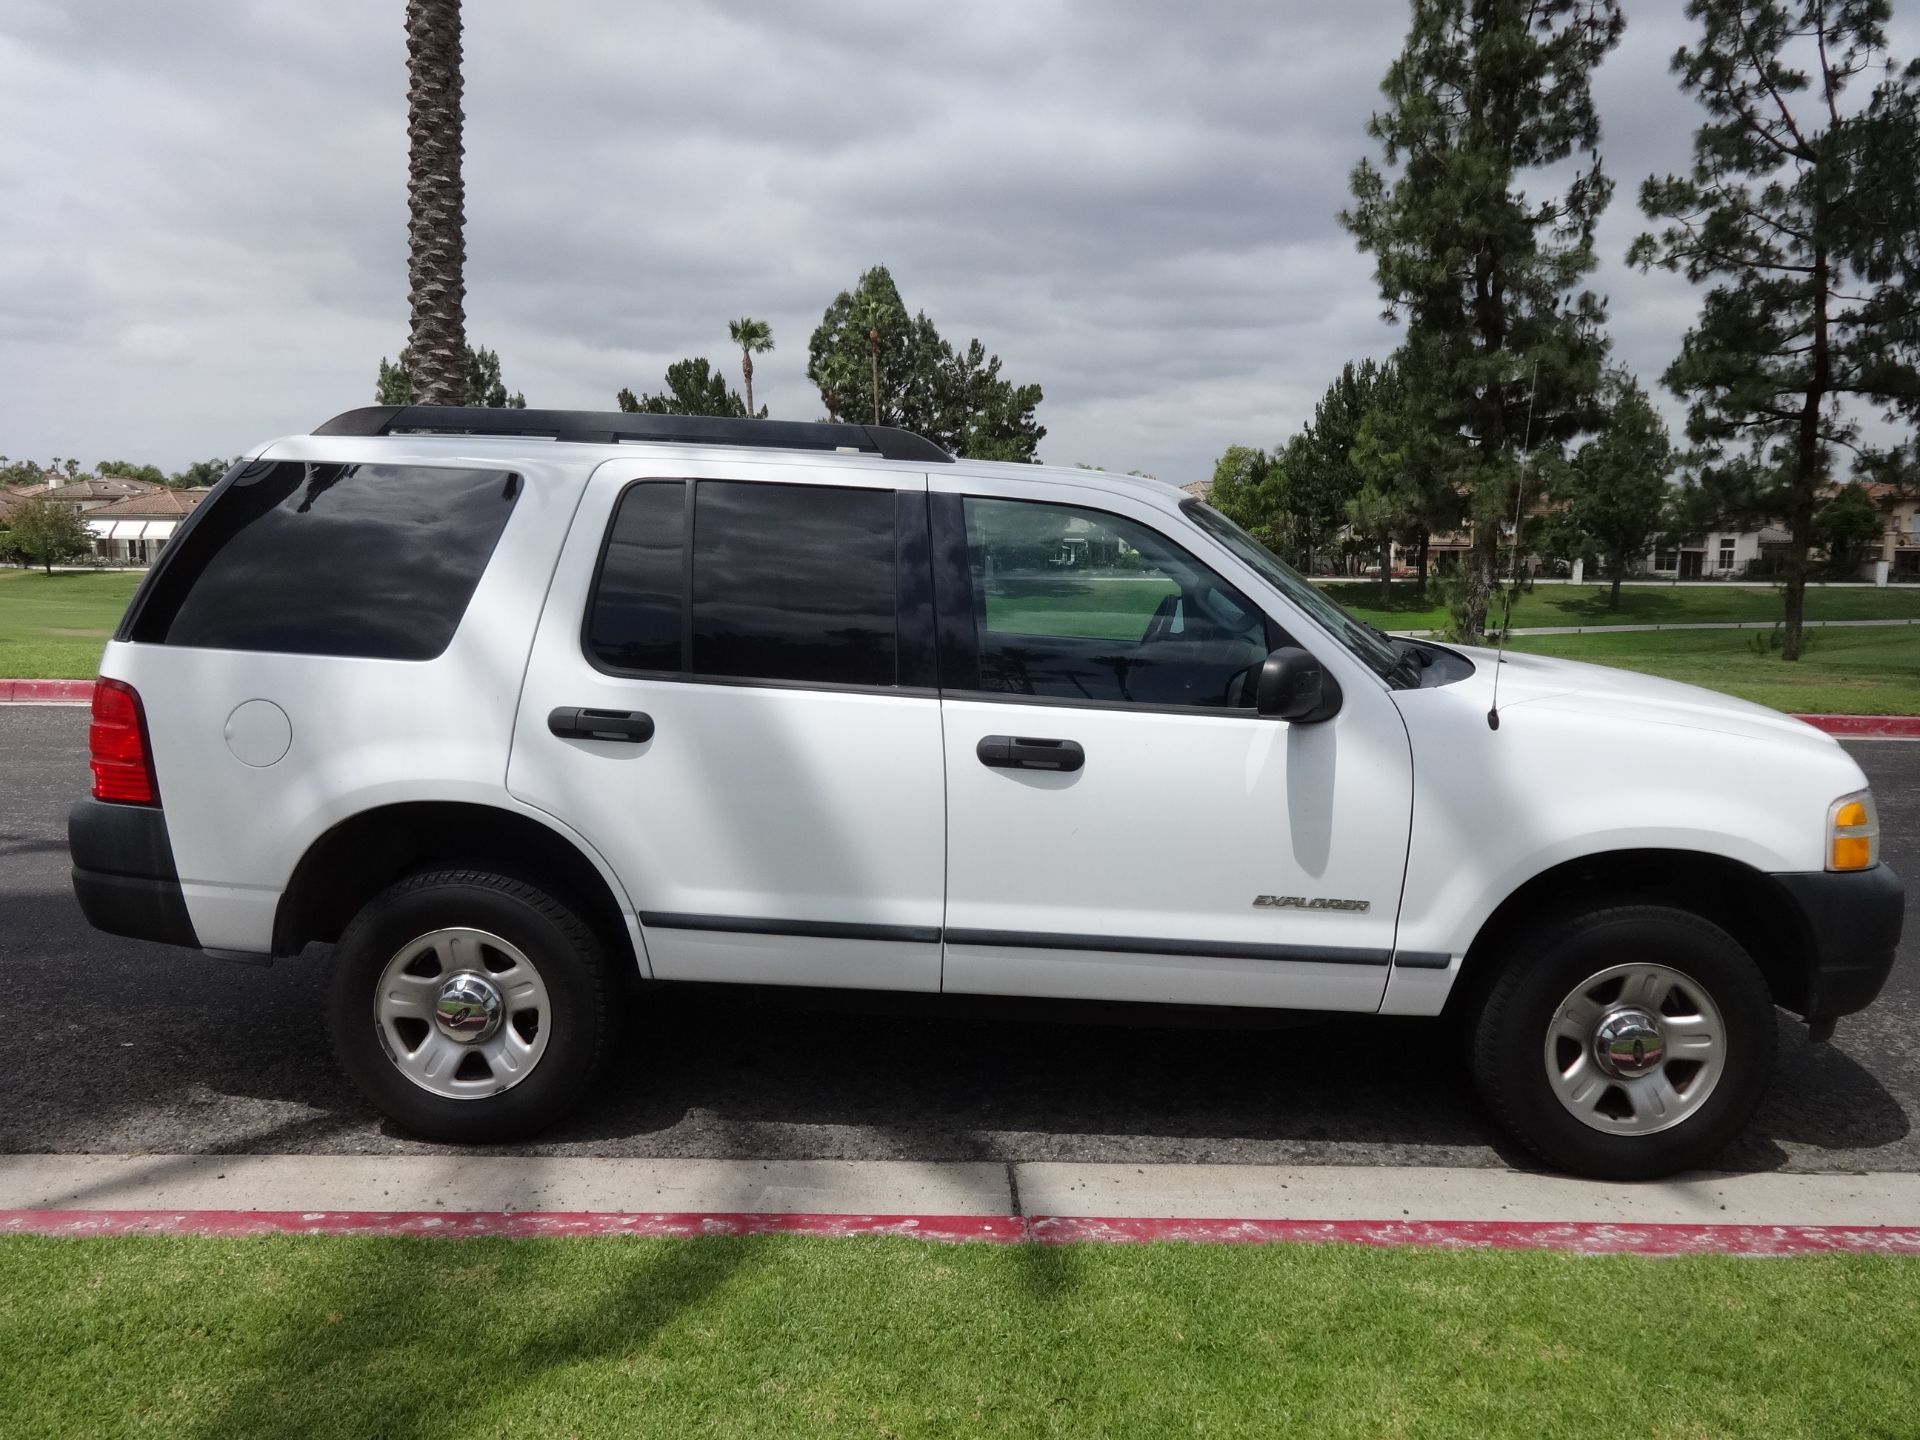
{"points": [[1503, 349], [694, 387], [874, 363], [1615, 489], [1322, 480], [1802, 216]]}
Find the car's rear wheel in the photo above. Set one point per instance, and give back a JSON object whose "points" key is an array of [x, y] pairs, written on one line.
{"points": [[470, 1006], [1625, 1043]]}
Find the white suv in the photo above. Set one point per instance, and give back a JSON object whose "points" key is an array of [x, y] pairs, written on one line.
{"points": [[509, 706]]}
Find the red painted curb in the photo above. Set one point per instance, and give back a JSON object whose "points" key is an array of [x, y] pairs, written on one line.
{"points": [[1581, 1238], [44, 691], [1886, 727]]}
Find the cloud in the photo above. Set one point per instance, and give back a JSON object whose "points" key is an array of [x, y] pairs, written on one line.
{"points": [[1132, 203]]}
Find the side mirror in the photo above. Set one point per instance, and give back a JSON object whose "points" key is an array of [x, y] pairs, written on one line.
{"points": [[1294, 687]]}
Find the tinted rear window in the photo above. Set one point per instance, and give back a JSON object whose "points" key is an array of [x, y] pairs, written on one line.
{"points": [[372, 561], [794, 582], [639, 605]]}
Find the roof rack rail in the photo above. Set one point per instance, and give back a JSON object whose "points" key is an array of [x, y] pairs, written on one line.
{"points": [[595, 427]]}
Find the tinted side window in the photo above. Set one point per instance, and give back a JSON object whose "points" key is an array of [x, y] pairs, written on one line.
{"points": [[639, 603], [794, 582], [374, 561], [1080, 604]]}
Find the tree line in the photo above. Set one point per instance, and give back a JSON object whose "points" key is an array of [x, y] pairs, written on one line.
{"points": [[1799, 219], [31, 475], [870, 361]]}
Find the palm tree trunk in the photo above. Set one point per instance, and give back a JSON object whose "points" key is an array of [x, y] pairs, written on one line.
{"points": [[746, 373], [436, 200]]}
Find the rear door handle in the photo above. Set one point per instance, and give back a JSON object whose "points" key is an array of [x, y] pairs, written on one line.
{"points": [[571, 722], [1022, 752]]}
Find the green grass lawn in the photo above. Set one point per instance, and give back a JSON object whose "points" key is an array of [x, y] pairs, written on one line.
{"points": [[1408, 609], [1114, 607], [785, 1337], [1869, 671], [1092, 607], [52, 627]]}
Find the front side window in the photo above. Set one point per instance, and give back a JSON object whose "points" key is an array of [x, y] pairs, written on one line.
{"points": [[1080, 604]]}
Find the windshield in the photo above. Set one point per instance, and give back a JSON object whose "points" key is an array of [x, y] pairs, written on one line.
{"points": [[1374, 649]]}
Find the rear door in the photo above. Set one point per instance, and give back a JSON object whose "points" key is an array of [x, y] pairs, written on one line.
{"points": [[1121, 824], [760, 760]]}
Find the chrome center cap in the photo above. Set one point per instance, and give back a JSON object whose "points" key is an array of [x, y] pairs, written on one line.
{"points": [[468, 1008], [1629, 1043]]}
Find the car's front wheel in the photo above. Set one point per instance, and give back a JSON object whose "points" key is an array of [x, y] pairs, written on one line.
{"points": [[1625, 1043], [469, 1006]]}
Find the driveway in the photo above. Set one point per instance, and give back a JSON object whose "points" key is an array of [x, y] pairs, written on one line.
{"points": [[114, 1045]]}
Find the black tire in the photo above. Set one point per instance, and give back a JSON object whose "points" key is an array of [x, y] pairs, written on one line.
{"points": [[1542, 968], [571, 963]]}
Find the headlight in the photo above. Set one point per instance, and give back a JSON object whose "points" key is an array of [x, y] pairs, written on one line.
{"points": [[1853, 832]]}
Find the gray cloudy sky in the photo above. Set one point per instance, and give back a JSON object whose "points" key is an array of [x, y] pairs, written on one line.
{"points": [[204, 234]]}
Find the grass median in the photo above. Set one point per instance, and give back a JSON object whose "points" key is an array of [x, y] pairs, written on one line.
{"points": [[1872, 670], [796, 1337], [1406, 607], [52, 627]]}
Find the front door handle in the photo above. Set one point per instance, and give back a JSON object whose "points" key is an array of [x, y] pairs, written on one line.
{"points": [[571, 722], [1021, 752]]}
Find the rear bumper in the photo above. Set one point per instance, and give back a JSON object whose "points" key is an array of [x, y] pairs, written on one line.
{"points": [[1851, 924], [123, 872]]}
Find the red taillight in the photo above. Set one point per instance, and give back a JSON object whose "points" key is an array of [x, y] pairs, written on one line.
{"points": [[117, 746]]}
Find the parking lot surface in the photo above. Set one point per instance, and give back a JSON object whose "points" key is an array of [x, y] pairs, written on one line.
{"points": [[115, 1045]]}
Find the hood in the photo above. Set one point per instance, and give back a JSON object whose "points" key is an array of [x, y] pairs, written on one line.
{"points": [[1546, 682]]}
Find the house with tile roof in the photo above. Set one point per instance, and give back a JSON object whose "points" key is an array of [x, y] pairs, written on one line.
{"points": [[88, 492], [134, 530]]}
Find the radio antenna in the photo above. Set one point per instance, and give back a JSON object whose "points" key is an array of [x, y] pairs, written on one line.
{"points": [[1513, 566]]}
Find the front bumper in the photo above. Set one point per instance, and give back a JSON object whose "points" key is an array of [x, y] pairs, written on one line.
{"points": [[123, 872], [1851, 931]]}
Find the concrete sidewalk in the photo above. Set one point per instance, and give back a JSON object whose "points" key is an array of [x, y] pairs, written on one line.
{"points": [[509, 1195]]}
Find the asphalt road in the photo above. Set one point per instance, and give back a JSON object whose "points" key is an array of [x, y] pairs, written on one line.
{"points": [[110, 1045]]}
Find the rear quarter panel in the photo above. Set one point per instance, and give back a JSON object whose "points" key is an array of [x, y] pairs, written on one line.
{"points": [[364, 732]]}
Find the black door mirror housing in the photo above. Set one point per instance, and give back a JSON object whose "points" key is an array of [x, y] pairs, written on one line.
{"points": [[1293, 686]]}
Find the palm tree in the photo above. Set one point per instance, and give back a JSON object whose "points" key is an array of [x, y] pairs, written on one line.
{"points": [[436, 198], [754, 337]]}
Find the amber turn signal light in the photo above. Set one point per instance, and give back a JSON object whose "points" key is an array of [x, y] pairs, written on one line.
{"points": [[1853, 833]]}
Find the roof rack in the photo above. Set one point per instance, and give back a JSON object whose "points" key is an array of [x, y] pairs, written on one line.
{"points": [[596, 427]]}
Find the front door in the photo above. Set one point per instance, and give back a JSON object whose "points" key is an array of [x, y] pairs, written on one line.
{"points": [[732, 697], [1121, 824]]}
